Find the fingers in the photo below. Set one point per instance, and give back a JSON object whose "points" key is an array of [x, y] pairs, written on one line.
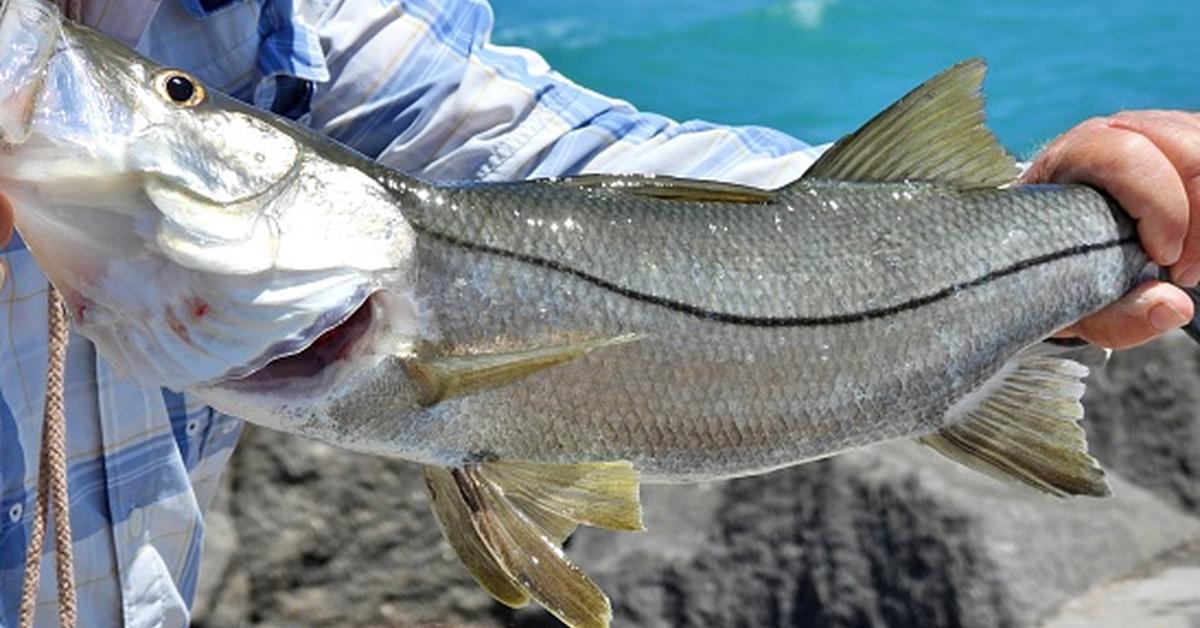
{"points": [[1149, 161], [1177, 135], [1131, 166], [1148, 311]]}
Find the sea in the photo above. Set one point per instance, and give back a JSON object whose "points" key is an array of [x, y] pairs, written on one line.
{"points": [[817, 69]]}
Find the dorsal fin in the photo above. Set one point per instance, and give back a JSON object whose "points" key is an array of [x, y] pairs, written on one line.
{"points": [[935, 133]]}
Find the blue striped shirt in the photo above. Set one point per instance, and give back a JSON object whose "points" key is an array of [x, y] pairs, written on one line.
{"points": [[415, 84]]}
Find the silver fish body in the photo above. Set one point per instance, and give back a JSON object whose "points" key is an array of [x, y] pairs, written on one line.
{"points": [[839, 315]]}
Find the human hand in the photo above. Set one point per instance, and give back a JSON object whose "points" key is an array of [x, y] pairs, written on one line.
{"points": [[1149, 161]]}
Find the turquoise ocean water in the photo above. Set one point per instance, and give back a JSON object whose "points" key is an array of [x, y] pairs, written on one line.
{"points": [[819, 68]]}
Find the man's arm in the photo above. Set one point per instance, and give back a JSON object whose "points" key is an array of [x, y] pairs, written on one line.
{"points": [[419, 86]]}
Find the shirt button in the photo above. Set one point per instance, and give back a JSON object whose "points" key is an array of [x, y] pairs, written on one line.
{"points": [[135, 524], [15, 512]]}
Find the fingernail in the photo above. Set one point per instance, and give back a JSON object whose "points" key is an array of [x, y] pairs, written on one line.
{"points": [[1163, 317], [1173, 254], [1188, 276]]}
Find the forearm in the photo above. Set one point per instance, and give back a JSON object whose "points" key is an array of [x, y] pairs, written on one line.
{"points": [[424, 91]]}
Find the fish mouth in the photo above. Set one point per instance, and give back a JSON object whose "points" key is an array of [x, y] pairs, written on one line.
{"points": [[320, 364]]}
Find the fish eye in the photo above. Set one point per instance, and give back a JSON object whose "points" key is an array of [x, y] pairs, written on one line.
{"points": [[179, 88]]}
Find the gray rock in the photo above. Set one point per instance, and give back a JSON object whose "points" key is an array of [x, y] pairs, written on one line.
{"points": [[1165, 594], [1144, 418], [894, 535], [330, 538]]}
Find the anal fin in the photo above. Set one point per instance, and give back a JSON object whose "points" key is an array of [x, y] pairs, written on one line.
{"points": [[454, 516], [506, 520], [1022, 425]]}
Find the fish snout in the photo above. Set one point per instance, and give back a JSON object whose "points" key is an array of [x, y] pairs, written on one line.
{"points": [[28, 32]]}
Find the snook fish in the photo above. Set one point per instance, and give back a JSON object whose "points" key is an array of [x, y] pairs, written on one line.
{"points": [[544, 346]]}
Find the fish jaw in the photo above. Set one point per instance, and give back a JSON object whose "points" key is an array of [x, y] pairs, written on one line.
{"points": [[170, 306], [193, 243]]}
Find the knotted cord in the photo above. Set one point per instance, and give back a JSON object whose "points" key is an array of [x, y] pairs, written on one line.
{"points": [[52, 459], [52, 481]]}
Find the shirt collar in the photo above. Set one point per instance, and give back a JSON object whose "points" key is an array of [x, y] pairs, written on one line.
{"points": [[289, 45], [290, 58]]}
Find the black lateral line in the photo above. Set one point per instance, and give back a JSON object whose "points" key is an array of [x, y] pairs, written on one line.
{"points": [[779, 321]]}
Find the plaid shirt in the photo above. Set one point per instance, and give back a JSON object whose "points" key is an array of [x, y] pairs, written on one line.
{"points": [[415, 84]]}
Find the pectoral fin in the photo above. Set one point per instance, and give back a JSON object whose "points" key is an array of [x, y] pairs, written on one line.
{"points": [[448, 377], [506, 520], [1022, 427]]}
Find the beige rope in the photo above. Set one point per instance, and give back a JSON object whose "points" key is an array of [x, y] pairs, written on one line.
{"points": [[52, 482], [52, 459]]}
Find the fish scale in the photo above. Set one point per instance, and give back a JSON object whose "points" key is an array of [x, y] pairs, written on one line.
{"points": [[689, 374], [737, 271]]}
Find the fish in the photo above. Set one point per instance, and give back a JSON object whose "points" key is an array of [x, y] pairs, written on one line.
{"points": [[542, 348]]}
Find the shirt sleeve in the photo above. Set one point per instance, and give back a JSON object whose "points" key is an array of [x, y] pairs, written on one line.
{"points": [[419, 86]]}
